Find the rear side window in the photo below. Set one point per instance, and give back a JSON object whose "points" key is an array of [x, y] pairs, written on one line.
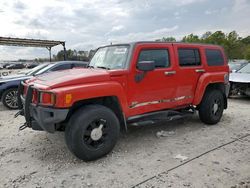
{"points": [[214, 57], [189, 57], [62, 67], [159, 56], [80, 65]]}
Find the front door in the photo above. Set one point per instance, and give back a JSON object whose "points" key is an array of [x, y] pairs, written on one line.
{"points": [[152, 90]]}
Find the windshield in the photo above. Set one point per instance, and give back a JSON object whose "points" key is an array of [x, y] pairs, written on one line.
{"points": [[245, 69], [235, 66], [112, 57], [36, 69]]}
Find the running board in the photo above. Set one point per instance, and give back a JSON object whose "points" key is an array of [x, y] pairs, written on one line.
{"points": [[161, 116]]}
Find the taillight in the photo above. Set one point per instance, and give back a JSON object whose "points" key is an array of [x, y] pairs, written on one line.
{"points": [[47, 98], [34, 96]]}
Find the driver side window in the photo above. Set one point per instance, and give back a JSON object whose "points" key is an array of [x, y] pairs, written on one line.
{"points": [[159, 56]]}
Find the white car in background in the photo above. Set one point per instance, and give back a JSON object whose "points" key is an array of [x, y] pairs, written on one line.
{"points": [[240, 81]]}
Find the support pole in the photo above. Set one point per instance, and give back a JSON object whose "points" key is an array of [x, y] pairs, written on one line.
{"points": [[65, 52], [50, 54], [49, 48]]}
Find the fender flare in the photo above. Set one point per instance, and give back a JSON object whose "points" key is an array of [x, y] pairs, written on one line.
{"points": [[94, 90], [205, 80]]}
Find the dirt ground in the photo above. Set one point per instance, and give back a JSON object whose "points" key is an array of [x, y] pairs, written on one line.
{"points": [[217, 156]]}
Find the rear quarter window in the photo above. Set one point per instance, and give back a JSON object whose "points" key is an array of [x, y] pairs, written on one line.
{"points": [[214, 57]]}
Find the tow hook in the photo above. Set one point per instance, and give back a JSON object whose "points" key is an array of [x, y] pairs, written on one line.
{"points": [[21, 112], [24, 126]]}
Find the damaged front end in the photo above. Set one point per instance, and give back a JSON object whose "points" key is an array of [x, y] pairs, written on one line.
{"points": [[237, 88], [38, 116], [240, 82]]}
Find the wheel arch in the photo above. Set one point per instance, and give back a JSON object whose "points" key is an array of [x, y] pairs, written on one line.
{"points": [[112, 102], [212, 86]]}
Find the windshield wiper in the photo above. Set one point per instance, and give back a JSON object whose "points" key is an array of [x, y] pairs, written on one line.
{"points": [[101, 67]]}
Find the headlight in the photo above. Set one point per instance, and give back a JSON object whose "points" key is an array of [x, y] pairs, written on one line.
{"points": [[47, 98]]}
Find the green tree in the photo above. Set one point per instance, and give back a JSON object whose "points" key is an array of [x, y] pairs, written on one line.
{"points": [[247, 53], [191, 38], [166, 39], [246, 40]]}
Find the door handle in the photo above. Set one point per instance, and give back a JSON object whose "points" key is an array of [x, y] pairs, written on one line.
{"points": [[168, 73], [199, 70]]}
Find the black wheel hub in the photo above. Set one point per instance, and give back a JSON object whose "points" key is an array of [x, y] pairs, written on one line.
{"points": [[95, 134], [216, 107]]}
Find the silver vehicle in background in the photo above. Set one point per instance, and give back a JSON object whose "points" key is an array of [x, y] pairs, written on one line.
{"points": [[236, 65], [240, 81]]}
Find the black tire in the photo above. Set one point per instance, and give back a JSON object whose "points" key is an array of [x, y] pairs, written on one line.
{"points": [[211, 107], [80, 135], [9, 98]]}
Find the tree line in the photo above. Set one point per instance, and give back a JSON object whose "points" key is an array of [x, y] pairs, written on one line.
{"points": [[70, 55], [235, 47]]}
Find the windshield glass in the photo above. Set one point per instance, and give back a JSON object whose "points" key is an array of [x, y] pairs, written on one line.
{"points": [[245, 69], [37, 68], [112, 57], [235, 66]]}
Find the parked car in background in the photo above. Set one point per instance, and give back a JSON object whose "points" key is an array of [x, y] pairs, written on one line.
{"points": [[5, 65], [240, 81], [16, 66], [31, 65], [9, 84], [237, 65]]}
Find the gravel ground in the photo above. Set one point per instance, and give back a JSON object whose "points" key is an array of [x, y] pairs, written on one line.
{"points": [[143, 157]]}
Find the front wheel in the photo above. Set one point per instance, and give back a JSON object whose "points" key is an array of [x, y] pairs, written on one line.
{"points": [[92, 132], [9, 98], [211, 107]]}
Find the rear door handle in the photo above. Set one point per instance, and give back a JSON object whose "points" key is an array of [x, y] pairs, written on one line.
{"points": [[199, 70], [168, 73]]}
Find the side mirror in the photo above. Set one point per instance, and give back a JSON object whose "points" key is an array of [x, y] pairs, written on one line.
{"points": [[146, 66]]}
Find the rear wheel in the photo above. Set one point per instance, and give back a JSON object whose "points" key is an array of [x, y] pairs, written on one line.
{"points": [[92, 132], [211, 107], [9, 98]]}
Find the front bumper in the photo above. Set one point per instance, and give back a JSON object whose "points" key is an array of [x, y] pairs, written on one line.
{"points": [[46, 118], [39, 117]]}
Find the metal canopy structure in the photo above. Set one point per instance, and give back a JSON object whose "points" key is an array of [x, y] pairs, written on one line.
{"points": [[8, 41]]}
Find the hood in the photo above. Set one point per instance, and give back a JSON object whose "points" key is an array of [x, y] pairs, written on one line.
{"points": [[15, 77], [239, 77], [71, 77]]}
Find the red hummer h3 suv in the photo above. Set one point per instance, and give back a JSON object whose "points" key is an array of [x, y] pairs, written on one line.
{"points": [[126, 84]]}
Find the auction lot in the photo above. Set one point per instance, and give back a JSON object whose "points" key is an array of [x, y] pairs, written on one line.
{"points": [[141, 158]]}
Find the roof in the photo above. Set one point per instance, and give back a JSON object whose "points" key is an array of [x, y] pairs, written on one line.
{"points": [[29, 42], [161, 42]]}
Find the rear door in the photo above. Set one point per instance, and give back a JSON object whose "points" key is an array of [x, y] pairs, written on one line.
{"points": [[190, 61]]}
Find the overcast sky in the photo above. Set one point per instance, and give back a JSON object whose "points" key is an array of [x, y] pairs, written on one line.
{"points": [[87, 24]]}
